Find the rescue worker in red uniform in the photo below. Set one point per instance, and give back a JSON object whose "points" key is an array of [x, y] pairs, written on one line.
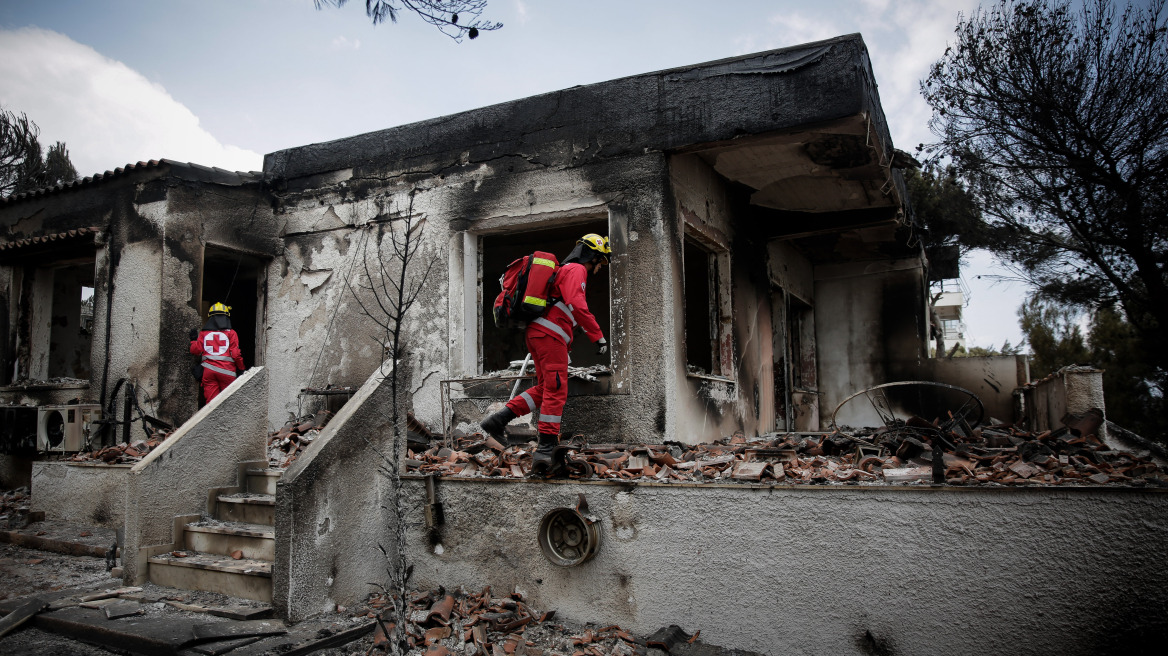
{"points": [[218, 345], [548, 340]]}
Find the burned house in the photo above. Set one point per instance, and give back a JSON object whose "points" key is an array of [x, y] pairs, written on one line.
{"points": [[764, 269]]}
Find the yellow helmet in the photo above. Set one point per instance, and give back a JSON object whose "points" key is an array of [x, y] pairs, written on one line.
{"points": [[220, 308], [597, 243]]}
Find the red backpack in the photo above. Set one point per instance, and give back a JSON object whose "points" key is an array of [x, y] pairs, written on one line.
{"points": [[527, 285]]}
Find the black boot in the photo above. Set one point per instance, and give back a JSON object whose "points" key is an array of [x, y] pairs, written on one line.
{"points": [[542, 459], [495, 424]]}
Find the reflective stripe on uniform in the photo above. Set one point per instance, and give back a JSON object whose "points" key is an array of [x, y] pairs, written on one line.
{"points": [[535, 300], [554, 328], [219, 370], [530, 403], [224, 358], [544, 261], [567, 309], [551, 419]]}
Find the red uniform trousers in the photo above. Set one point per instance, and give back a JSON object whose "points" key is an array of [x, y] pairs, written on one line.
{"points": [[551, 381], [214, 382]]}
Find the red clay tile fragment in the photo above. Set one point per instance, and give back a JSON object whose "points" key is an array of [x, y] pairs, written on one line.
{"points": [[1022, 469], [749, 471], [237, 554]]}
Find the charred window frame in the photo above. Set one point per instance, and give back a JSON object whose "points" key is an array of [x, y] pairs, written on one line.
{"points": [[499, 346], [708, 318]]}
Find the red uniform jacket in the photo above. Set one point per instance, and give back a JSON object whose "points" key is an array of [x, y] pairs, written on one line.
{"points": [[571, 308], [220, 351]]}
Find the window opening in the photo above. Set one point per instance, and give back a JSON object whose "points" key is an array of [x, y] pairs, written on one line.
{"points": [[701, 309], [502, 345]]}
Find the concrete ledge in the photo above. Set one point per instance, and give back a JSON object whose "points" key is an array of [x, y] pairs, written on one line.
{"points": [[84, 492], [45, 543], [203, 453], [331, 511], [819, 569], [197, 574]]}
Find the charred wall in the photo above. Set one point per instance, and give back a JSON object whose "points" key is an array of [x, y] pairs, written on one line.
{"points": [[143, 233], [870, 328], [333, 225]]}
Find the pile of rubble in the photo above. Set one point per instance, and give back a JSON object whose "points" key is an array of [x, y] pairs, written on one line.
{"points": [[285, 445], [14, 507], [915, 452], [477, 623], [122, 453]]}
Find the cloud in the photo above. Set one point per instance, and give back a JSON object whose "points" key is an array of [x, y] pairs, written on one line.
{"points": [[108, 114], [521, 11], [341, 43]]}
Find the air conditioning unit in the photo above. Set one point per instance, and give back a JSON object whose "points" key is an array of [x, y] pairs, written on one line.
{"points": [[18, 429], [65, 428]]}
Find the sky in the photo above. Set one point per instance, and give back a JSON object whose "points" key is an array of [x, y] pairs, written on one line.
{"points": [[221, 82]]}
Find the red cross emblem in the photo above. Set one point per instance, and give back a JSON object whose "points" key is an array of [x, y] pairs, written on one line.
{"points": [[215, 343]]}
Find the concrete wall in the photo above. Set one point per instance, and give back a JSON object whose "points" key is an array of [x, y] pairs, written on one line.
{"points": [[87, 493], [203, 453], [331, 511], [870, 328], [824, 570], [992, 378], [15, 471]]}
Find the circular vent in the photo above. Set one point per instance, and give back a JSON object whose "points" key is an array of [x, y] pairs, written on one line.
{"points": [[55, 428], [567, 537]]}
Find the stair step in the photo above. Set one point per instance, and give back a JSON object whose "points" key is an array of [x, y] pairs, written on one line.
{"points": [[247, 578], [249, 498], [246, 507], [257, 541], [263, 481]]}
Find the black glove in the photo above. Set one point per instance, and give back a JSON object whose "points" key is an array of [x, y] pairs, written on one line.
{"points": [[194, 334], [601, 346]]}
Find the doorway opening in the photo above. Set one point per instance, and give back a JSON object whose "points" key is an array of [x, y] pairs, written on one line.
{"points": [[236, 280]]}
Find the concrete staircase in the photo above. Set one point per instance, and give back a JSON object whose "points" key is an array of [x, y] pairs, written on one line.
{"points": [[242, 518]]}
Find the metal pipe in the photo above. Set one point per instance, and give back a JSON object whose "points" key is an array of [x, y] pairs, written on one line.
{"points": [[515, 387]]}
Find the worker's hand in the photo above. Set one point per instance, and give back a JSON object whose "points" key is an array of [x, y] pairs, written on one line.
{"points": [[194, 334], [601, 346]]}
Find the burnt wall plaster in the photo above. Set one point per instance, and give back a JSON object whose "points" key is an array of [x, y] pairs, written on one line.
{"points": [[325, 239], [868, 331], [147, 260]]}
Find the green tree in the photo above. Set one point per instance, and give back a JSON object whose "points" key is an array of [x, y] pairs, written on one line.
{"points": [[22, 165], [944, 206], [454, 18], [1055, 116], [1054, 336], [1133, 387]]}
